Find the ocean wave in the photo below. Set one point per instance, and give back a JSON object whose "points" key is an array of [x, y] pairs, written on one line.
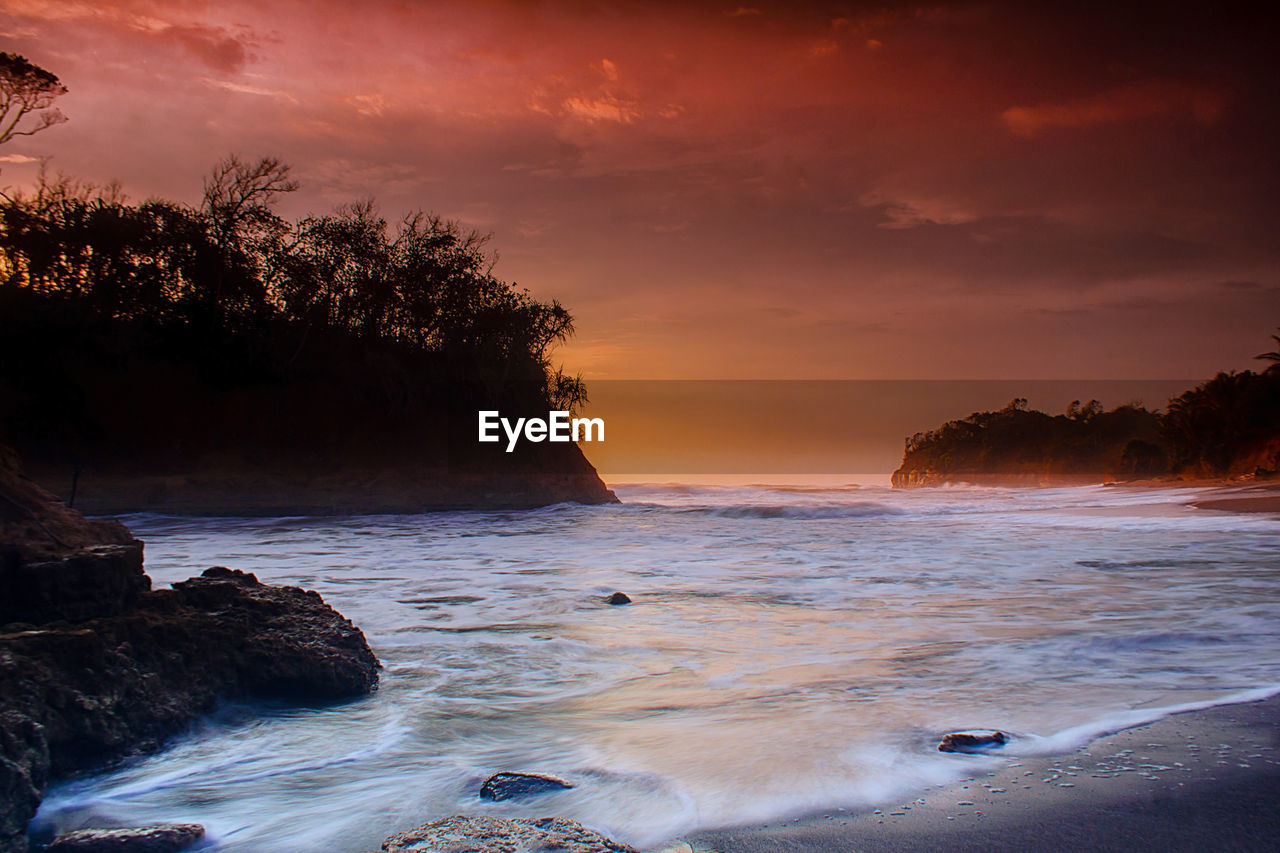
{"points": [[858, 509], [1076, 737]]}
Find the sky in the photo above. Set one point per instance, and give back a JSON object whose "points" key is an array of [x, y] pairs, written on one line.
{"points": [[743, 190]]}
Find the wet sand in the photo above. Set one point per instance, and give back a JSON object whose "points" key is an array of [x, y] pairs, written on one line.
{"points": [[1267, 502], [1200, 781]]}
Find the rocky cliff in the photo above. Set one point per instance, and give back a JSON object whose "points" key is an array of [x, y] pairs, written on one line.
{"points": [[94, 665], [915, 478], [237, 487]]}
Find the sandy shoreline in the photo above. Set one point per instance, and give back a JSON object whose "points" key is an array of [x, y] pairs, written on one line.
{"points": [[1204, 780], [1267, 501], [1219, 495]]}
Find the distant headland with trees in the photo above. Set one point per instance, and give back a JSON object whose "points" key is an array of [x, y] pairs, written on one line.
{"points": [[221, 358], [1225, 428]]}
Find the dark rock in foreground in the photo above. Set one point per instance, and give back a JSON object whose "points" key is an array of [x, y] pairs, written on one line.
{"points": [[54, 562], [165, 838], [619, 598], [496, 835], [94, 666], [78, 696], [972, 742], [509, 786]]}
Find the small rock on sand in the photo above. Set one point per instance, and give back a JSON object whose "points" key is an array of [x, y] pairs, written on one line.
{"points": [[163, 838], [510, 786], [972, 741]]}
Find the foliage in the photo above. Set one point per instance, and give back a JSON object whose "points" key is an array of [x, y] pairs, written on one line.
{"points": [[132, 331], [1214, 425], [1221, 427], [1018, 439], [27, 90], [1273, 356], [233, 266]]}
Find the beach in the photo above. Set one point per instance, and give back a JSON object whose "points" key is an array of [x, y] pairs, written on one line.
{"points": [[1265, 499], [788, 650], [1203, 780]]}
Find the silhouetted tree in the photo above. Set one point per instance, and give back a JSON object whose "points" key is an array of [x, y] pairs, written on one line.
{"points": [[1273, 357], [247, 293], [27, 90], [1220, 421], [1021, 440], [237, 208]]}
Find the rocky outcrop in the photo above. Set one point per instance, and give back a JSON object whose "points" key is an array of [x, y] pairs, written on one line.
{"points": [[77, 696], [54, 562], [394, 468], [918, 478], [95, 666], [35, 526], [257, 492], [92, 582], [164, 838], [496, 835], [1260, 462], [972, 741], [511, 786]]}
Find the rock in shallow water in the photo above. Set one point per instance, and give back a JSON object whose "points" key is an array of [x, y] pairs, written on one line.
{"points": [[972, 741], [78, 696], [95, 666], [164, 838], [509, 786], [497, 835], [619, 598]]}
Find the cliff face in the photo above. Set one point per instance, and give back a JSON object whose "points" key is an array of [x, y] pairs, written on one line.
{"points": [[130, 416], [57, 564], [237, 487], [1262, 461], [915, 478], [94, 665], [249, 452]]}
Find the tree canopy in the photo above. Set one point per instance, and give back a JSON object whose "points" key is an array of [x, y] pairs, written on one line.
{"points": [[420, 286], [27, 91], [1227, 426]]}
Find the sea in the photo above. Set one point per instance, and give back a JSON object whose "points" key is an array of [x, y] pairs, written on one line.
{"points": [[789, 649]]}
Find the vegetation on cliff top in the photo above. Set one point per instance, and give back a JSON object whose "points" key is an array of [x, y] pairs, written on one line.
{"points": [[1020, 440], [1227, 426], [359, 320]]}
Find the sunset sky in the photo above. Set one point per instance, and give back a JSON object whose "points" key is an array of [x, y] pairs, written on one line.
{"points": [[743, 191]]}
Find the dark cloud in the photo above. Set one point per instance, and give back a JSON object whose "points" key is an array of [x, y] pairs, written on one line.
{"points": [[216, 48], [872, 189]]}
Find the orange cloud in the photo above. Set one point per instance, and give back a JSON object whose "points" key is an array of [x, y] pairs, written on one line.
{"points": [[604, 108], [1128, 103]]}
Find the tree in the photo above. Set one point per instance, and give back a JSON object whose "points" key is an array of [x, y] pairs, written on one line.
{"points": [[237, 208], [27, 90], [238, 197], [1273, 357]]}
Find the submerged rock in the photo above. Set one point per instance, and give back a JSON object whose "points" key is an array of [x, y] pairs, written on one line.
{"points": [[164, 838], [498, 835], [619, 598], [509, 786], [972, 741]]}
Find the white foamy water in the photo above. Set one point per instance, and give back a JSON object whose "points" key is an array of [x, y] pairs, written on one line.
{"points": [[789, 649]]}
